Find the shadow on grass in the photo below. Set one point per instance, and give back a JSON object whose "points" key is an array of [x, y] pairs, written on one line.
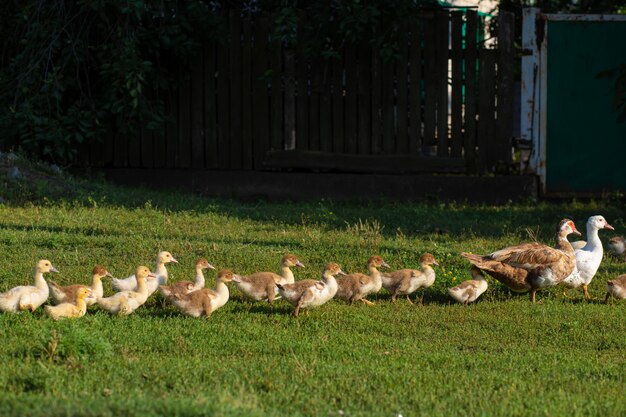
{"points": [[376, 218]]}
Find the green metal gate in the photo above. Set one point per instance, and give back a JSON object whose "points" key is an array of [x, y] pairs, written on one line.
{"points": [[568, 110]]}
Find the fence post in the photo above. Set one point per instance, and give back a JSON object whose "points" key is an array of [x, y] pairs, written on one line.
{"points": [[505, 102]]}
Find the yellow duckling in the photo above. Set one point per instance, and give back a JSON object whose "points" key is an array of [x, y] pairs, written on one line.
{"points": [[27, 297], [70, 310], [125, 302]]}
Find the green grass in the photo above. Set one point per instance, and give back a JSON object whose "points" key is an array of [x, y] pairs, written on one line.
{"points": [[500, 356]]}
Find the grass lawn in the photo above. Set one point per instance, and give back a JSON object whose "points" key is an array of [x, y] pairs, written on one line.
{"points": [[500, 356]]}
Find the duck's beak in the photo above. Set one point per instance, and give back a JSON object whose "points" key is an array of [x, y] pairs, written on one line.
{"points": [[300, 264], [210, 266], [174, 260], [575, 231], [341, 272], [385, 264], [436, 263], [236, 278], [53, 269], [608, 226], [151, 275], [108, 274]]}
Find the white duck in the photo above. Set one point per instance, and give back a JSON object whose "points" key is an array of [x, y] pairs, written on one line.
{"points": [[125, 302], [469, 291], [588, 257], [130, 283], [309, 293], [28, 297]]}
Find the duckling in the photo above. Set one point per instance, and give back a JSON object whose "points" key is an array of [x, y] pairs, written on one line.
{"points": [[203, 301], [262, 285], [130, 283], [616, 288], [310, 293], [70, 310], [407, 281], [469, 291], [125, 302], [617, 247], [184, 287], [354, 287], [28, 297], [68, 293]]}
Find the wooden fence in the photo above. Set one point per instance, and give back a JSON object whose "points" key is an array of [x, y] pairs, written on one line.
{"points": [[445, 105]]}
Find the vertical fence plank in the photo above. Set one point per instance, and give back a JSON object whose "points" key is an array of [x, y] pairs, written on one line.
{"points": [[197, 119], [376, 102], [234, 49], [415, 140], [388, 107], [364, 98], [223, 104], [505, 102], [260, 92], [486, 111], [147, 137], [471, 55], [289, 134], [184, 122], [147, 142], [277, 109], [96, 152], [338, 89], [402, 108], [430, 85], [351, 99], [314, 106], [210, 108], [302, 101], [171, 128], [120, 150], [107, 146], [443, 31], [246, 83], [159, 137], [457, 85], [326, 128], [134, 149]]}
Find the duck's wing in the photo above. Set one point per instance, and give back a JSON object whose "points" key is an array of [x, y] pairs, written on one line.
{"points": [[124, 284], [528, 255]]}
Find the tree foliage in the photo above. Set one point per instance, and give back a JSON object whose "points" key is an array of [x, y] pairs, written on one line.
{"points": [[71, 69]]}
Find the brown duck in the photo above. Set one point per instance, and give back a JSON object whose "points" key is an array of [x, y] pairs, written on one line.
{"points": [[531, 266]]}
